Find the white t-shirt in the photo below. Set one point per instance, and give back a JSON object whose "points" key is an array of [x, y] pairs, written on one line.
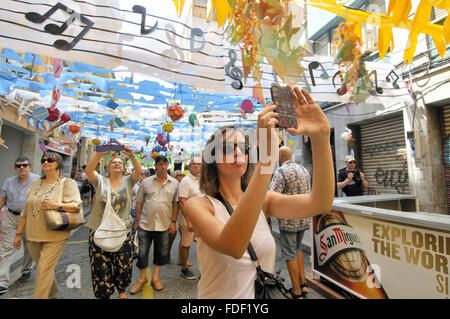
{"points": [[224, 277], [157, 202], [189, 187]]}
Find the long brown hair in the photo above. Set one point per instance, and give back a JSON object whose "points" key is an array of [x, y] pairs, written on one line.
{"points": [[209, 178]]}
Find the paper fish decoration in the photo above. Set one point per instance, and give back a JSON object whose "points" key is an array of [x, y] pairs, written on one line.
{"points": [[40, 114], [347, 136]]}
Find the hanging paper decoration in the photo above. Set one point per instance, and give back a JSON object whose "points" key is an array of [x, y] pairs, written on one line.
{"points": [[397, 16], [157, 148], [160, 139], [43, 148], [175, 112], [53, 114], [40, 114], [246, 107], [56, 94], [57, 67], [347, 136], [119, 122], [353, 76], [65, 117], [74, 128], [154, 155], [167, 127], [193, 119]]}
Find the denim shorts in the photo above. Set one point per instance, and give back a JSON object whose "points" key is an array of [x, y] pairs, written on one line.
{"points": [[290, 244], [161, 254]]}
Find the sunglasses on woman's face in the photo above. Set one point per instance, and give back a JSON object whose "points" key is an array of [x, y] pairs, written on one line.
{"points": [[229, 147], [50, 160]]}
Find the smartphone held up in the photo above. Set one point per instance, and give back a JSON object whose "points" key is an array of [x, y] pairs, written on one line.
{"points": [[284, 100]]}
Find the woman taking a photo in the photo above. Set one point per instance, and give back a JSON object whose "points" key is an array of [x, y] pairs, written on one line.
{"points": [[46, 246], [225, 265], [112, 269]]}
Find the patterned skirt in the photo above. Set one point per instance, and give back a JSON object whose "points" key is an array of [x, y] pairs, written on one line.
{"points": [[111, 270]]}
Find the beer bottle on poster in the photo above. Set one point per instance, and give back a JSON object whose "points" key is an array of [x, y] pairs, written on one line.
{"points": [[339, 255]]}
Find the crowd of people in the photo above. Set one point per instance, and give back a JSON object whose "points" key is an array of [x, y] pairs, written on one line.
{"points": [[153, 208]]}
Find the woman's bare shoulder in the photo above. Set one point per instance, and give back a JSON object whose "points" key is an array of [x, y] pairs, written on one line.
{"points": [[200, 203]]}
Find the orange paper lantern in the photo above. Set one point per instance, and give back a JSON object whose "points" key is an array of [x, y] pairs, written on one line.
{"points": [[175, 112], [74, 128]]}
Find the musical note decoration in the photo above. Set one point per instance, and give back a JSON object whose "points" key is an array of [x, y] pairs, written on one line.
{"points": [[315, 65], [233, 71], [54, 29], [143, 11], [392, 76]]}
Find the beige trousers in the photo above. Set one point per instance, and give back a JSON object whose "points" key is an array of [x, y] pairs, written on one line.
{"points": [[46, 256]]}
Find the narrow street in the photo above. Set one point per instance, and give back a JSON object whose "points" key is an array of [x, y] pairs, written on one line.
{"points": [[74, 276]]}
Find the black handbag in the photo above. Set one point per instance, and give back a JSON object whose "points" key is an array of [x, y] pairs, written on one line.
{"points": [[267, 286]]}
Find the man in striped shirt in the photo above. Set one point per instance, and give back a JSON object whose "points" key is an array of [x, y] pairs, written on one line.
{"points": [[291, 178]]}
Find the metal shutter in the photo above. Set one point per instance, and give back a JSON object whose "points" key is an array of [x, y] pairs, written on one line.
{"points": [[385, 171], [446, 150]]}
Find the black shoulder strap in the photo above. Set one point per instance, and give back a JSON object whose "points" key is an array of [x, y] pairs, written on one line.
{"points": [[227, 205]]}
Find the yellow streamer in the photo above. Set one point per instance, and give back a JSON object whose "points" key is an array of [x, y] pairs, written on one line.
{"points": [[397, 17]]}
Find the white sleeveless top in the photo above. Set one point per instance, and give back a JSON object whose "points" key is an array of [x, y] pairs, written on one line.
{"points": [[224, 277]]}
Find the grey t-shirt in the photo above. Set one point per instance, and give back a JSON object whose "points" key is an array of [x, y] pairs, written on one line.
{"points": [[120, 201]]}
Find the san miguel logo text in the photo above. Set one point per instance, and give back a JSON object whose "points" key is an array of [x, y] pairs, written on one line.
{"points": [[335, 239]]}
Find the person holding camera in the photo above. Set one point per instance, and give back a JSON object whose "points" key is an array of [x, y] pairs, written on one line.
{"points": [[351, 180]]}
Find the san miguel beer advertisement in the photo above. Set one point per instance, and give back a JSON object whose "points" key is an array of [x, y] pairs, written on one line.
{"points": [[379, 259]]}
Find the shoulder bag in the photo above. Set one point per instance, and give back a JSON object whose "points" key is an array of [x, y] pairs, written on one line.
{"points": [[267, 286], [112, 231], [61, 220]]}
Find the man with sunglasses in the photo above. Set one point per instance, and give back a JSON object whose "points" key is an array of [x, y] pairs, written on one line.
{"points": [[13, 194], [350, 179]]}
